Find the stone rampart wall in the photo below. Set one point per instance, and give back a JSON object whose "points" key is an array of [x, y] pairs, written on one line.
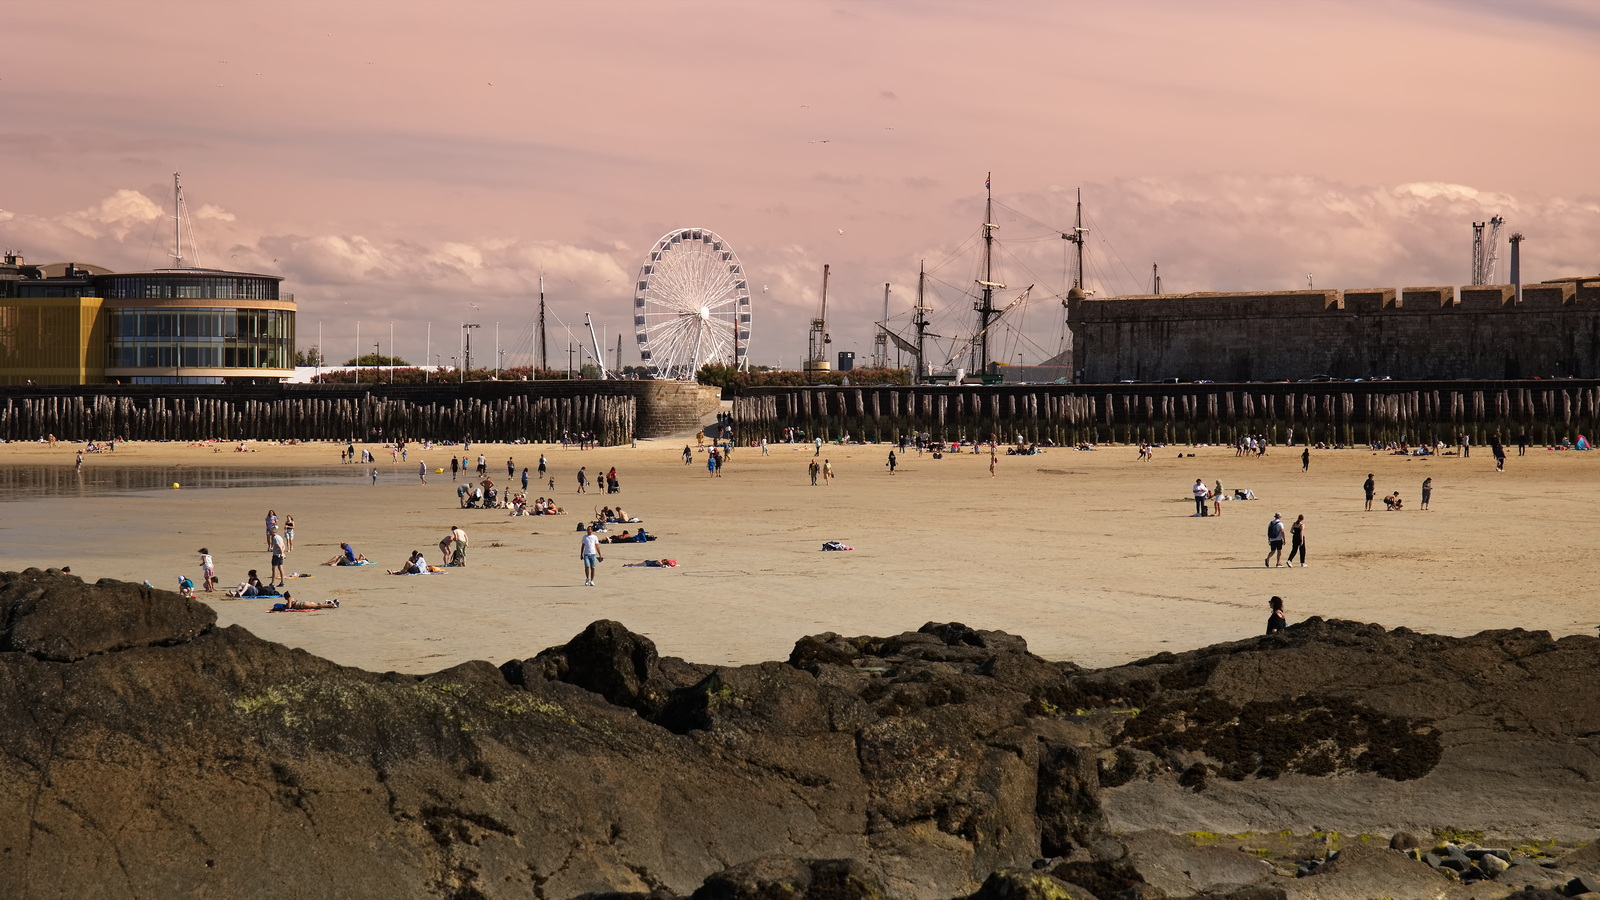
{"points": [[1409, 334]]}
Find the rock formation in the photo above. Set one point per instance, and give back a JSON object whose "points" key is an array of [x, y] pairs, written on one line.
{"points": [[150, 753]]}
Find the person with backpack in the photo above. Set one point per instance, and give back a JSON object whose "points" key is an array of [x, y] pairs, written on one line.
{"points": [[1275, 540]]}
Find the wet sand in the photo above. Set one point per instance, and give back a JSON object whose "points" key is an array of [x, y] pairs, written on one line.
{"points": [[1092, 556]]}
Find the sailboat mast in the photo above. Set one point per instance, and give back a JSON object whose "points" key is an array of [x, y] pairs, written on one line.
{"points": [[980, 349]]}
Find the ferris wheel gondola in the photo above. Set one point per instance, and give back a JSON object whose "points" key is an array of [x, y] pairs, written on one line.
{"points": [[691, 305]]}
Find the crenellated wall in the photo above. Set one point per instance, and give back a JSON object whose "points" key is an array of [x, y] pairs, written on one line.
{"points": [[1408, 334]]}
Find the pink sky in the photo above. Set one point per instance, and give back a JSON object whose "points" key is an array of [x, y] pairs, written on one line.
{"points": [[401, 162]]}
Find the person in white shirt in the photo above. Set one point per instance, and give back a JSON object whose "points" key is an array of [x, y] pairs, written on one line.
{"points": [[591, 555]]}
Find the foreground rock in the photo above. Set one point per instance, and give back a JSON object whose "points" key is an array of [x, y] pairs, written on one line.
{"points": [[151, 754]]}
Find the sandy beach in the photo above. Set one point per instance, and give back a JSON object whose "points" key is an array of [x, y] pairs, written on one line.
{"points": [[1092, 556]]}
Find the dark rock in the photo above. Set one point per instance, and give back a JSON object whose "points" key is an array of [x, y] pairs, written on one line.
{"points": [[1583, 884], [1256, 892], [1404, 840], [1022, 884], [58, 618], [1362, 870], [605, 658], [793, 879], [1585, 859]]}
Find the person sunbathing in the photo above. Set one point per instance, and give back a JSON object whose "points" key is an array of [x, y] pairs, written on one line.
{"points": [[652, 564], [346, 557], [624, 537], [290, 603]]}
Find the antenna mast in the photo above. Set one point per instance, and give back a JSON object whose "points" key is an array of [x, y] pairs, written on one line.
{"points": [[177, 222], [1076, 237]]}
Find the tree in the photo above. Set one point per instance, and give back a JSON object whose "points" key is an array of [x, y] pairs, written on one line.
{"points": [[374, 359], [312, 357], [589, 371], [716, 374]]}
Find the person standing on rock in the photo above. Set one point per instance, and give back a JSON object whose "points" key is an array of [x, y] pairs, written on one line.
{"points": [[1275, 540], [1371, 488], [590, 553], [1276, 621], [1297, 541]]}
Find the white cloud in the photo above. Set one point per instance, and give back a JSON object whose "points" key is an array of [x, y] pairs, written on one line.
{"points": [[214, 212]]}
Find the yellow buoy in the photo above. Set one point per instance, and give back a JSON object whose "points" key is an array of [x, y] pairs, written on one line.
{"points": [[438, 471], [174, 485]]}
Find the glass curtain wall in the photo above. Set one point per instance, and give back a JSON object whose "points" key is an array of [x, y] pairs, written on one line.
{"points": [[171, 338]]}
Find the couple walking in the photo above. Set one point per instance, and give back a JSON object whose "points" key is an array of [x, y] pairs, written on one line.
{"points": [[1275, 541]]}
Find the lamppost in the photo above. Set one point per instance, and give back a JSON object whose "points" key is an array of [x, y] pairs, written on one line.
{"points": [[377, 360]]}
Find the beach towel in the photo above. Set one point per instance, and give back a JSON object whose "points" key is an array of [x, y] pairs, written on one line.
{"points": [[298, 575], [835, 545], [364, 562]]}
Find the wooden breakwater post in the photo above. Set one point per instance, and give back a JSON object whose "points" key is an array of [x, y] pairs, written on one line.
{"points": [[83, 414], [1348, 413]]}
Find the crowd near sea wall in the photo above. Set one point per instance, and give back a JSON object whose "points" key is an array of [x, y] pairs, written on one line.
{"points": [[1328, 412], [1408, 334], [614, 412]]}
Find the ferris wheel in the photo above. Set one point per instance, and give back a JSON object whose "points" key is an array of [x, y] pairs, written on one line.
{"points": [[691, 305]]}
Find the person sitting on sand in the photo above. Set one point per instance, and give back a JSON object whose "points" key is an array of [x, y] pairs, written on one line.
{"points": [[414, 565], [250, 587], [652, 564], [346, 557], [290, 603]]}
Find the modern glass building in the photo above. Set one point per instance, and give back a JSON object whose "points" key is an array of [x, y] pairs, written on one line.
{"points": [[71, 324]]}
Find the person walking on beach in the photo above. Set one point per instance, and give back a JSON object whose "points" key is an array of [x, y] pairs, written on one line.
{"points": [[688, 455], [272, 525], [1305, 460], [1199, 498], [891, 462], [583, 481], [208, 571], [374, 477], [1522, 443], [590, 553], [1276, 621], [827, 472], [815, 470], [288, 532], [1275, 540], [993, 458], [819, 447], [1216, 499], [277, 560], [80, 461], [511, 469], [1297, 541], [1427, 491], [1371, 488], [422, 470], [455, 466], [524, 479], [1499, 451]]}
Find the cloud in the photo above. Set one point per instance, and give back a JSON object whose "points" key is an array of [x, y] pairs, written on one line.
{"points": [[213, 212]]}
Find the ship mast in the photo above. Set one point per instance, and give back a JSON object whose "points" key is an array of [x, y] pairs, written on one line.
{"points": [[544, 359], [921, 322], [985, 304]]}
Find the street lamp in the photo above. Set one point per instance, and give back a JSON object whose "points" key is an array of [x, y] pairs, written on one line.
{"points": [[466, 329], [377, 358]]}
